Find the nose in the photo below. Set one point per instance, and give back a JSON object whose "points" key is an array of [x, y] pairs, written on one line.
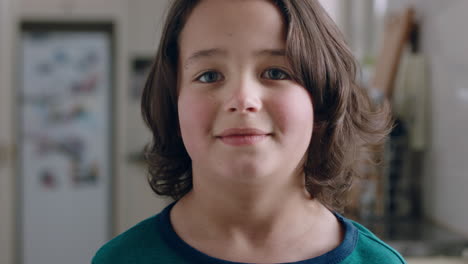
{"points": [[244, 98]]}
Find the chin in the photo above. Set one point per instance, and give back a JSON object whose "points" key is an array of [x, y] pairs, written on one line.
{"points": [[247, 172]]}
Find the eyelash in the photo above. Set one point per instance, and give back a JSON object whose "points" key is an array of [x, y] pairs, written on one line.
{"points": [[284, 74]]}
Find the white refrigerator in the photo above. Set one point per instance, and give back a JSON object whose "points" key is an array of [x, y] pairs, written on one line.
{"points": [[65, 154]]}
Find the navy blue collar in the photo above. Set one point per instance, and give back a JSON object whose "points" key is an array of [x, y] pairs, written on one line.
{"points": [[194, 256]]}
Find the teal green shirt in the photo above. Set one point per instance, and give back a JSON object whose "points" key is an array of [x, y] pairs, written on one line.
{"points": [[155, 241]]}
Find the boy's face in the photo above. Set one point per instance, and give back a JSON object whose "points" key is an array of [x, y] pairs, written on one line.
{"points": [[241, 116]]}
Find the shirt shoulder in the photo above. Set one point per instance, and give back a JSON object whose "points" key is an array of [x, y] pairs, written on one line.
{"points": [[371, 249], [140, 242]]}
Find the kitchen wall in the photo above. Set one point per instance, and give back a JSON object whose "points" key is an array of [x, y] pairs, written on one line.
{"points": [[6, 177], [145, 18], [445, 44]]}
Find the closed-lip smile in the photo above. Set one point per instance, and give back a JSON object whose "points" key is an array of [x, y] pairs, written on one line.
{"points": [[242, 136], [242, 132]]}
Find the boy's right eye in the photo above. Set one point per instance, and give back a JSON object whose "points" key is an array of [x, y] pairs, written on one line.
{"points": [[209, 77]]}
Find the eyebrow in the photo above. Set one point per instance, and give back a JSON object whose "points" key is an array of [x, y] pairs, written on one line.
{"points": [[222, 52]]}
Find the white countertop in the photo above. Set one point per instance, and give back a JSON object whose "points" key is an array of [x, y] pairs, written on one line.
{"points": [[437, 260]]}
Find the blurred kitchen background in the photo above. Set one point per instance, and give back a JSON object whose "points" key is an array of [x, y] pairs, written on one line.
{"points": [[71, 135]]}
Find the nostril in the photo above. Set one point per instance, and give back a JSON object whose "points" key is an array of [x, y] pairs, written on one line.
{"points": [[243, 106]]}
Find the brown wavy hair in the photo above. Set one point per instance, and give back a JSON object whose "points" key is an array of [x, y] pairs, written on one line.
{"points": [[346, 124]]}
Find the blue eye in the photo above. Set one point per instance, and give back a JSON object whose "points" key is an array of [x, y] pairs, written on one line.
{"points": [[276, 74], [209, 77]]}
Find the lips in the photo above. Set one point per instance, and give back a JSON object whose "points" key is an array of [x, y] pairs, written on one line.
{"points": [[242, 136]]}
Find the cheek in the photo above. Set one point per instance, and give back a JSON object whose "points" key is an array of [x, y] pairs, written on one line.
{"points": [[294, 113], [195, 120]]}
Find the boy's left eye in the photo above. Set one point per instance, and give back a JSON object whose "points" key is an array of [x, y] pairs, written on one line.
{"points": [[276, 74]]}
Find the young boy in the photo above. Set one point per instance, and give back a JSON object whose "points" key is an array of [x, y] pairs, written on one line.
{"points": [[256, 121]]}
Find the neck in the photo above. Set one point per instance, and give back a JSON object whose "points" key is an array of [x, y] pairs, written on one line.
{"points": [[256, 209], [277, 220]]}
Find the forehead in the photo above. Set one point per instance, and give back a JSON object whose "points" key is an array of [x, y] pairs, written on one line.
{"points": [[233, 25]]}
